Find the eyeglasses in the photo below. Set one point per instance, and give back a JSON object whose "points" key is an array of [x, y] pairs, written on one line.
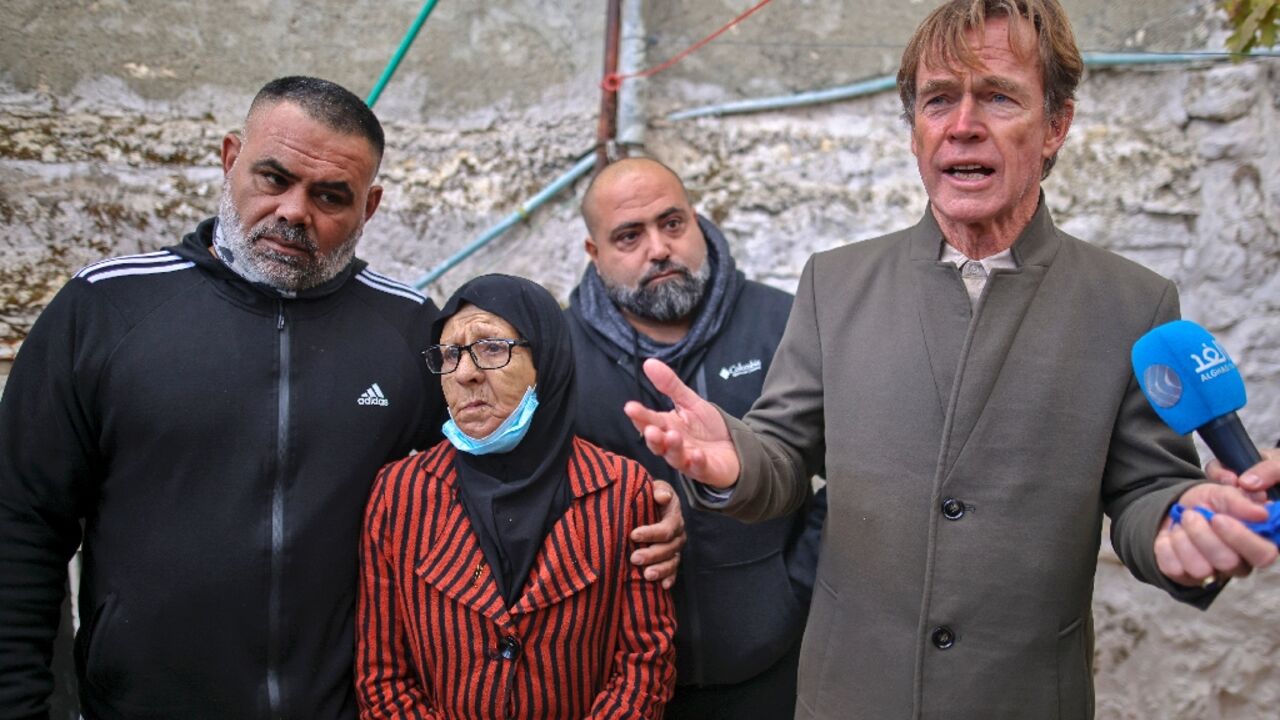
{"points": [[486, 353]]}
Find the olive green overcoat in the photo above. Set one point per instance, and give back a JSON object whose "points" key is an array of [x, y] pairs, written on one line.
{"points": [[970, 457]]}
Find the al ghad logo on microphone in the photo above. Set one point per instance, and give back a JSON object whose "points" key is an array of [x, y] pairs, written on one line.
{"points": [[1164, 386]]}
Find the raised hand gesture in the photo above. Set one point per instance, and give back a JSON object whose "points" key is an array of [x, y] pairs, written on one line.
{"points": [[692, 438]]}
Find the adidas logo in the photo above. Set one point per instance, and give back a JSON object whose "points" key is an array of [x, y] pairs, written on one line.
{"points": [[373, 396]]}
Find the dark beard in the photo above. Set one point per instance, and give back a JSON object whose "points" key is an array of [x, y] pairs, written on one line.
{"points": [[668, 301]]}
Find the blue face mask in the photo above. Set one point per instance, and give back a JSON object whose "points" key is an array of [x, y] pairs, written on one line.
{"points": [[504, 438]]}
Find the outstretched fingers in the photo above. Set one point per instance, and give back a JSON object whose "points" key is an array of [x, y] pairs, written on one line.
{"points": [[668, 383], [693, 438], [667, 444], [642, 417]]}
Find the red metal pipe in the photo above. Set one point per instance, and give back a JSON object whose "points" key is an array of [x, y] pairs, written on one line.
{"points": [[608, 125]]}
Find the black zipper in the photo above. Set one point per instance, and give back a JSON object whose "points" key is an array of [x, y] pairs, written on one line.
{"points": [[274, 603]]}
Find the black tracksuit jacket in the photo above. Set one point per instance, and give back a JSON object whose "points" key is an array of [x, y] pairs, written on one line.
{"points": [[217, 443], [742, 591]]}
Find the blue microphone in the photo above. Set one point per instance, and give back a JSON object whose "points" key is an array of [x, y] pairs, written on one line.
{"points": [[1193, 384]]}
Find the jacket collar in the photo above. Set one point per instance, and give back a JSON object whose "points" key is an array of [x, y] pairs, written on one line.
{"points": [[1036, 245], [195, 247]]}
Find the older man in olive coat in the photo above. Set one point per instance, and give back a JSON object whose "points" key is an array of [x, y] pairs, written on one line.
{"points": [[967, 384]]}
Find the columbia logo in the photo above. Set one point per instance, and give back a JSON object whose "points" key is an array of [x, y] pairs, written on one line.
{"points": [[373, 396], [740, 369]]}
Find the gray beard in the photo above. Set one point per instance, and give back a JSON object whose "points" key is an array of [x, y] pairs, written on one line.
{"points": [[239, 250], [668, 301]]}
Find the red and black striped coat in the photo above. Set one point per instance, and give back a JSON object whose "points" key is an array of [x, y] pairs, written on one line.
{"points": [[588, 637]]}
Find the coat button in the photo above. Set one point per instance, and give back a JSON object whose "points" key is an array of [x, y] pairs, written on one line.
{"points": [[943, 638], [509, 648], [952, 509]]}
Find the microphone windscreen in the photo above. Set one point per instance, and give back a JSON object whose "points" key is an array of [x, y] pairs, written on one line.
{"points": [[1189, 379]]}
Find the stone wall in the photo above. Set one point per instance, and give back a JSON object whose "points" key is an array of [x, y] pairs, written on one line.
{"points": [[108, 143]]}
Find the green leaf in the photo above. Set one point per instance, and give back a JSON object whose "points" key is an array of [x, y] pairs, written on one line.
{"points": [[1255, 23], [1267, 37]]}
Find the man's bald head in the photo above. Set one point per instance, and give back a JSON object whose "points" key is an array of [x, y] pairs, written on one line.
{"points": [[616, 172], [646, 245]]}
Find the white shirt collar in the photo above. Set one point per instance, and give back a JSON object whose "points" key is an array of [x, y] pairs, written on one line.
{"points": [[1002, 260]]}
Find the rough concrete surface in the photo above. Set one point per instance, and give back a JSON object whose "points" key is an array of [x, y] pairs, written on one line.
{"points": [[820, 43], [111, 113]]}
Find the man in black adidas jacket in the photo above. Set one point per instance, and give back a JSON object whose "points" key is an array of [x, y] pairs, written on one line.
{"points": [[215, 422], [663, 284], [210, 426]]}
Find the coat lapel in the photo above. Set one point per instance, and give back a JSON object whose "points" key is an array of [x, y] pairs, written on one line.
{"points": [[569, 560], [990, 336], [452, 561], [942, 305], [564, 567]]}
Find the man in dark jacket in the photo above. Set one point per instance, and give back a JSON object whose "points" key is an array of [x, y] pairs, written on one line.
{"points": [[662, 283], [208, 419], [215, 422]]}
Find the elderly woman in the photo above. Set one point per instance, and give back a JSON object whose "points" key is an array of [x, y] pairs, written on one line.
{"points": [[495, 573]]}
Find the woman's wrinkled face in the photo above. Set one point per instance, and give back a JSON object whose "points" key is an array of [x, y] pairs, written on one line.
{"points": [[480, 400]]}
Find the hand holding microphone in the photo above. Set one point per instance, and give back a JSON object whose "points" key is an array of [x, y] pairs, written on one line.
{"points": [[1193, 384]]}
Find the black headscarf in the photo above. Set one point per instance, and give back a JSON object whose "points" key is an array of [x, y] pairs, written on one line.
{"points": [[514, 498]]}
